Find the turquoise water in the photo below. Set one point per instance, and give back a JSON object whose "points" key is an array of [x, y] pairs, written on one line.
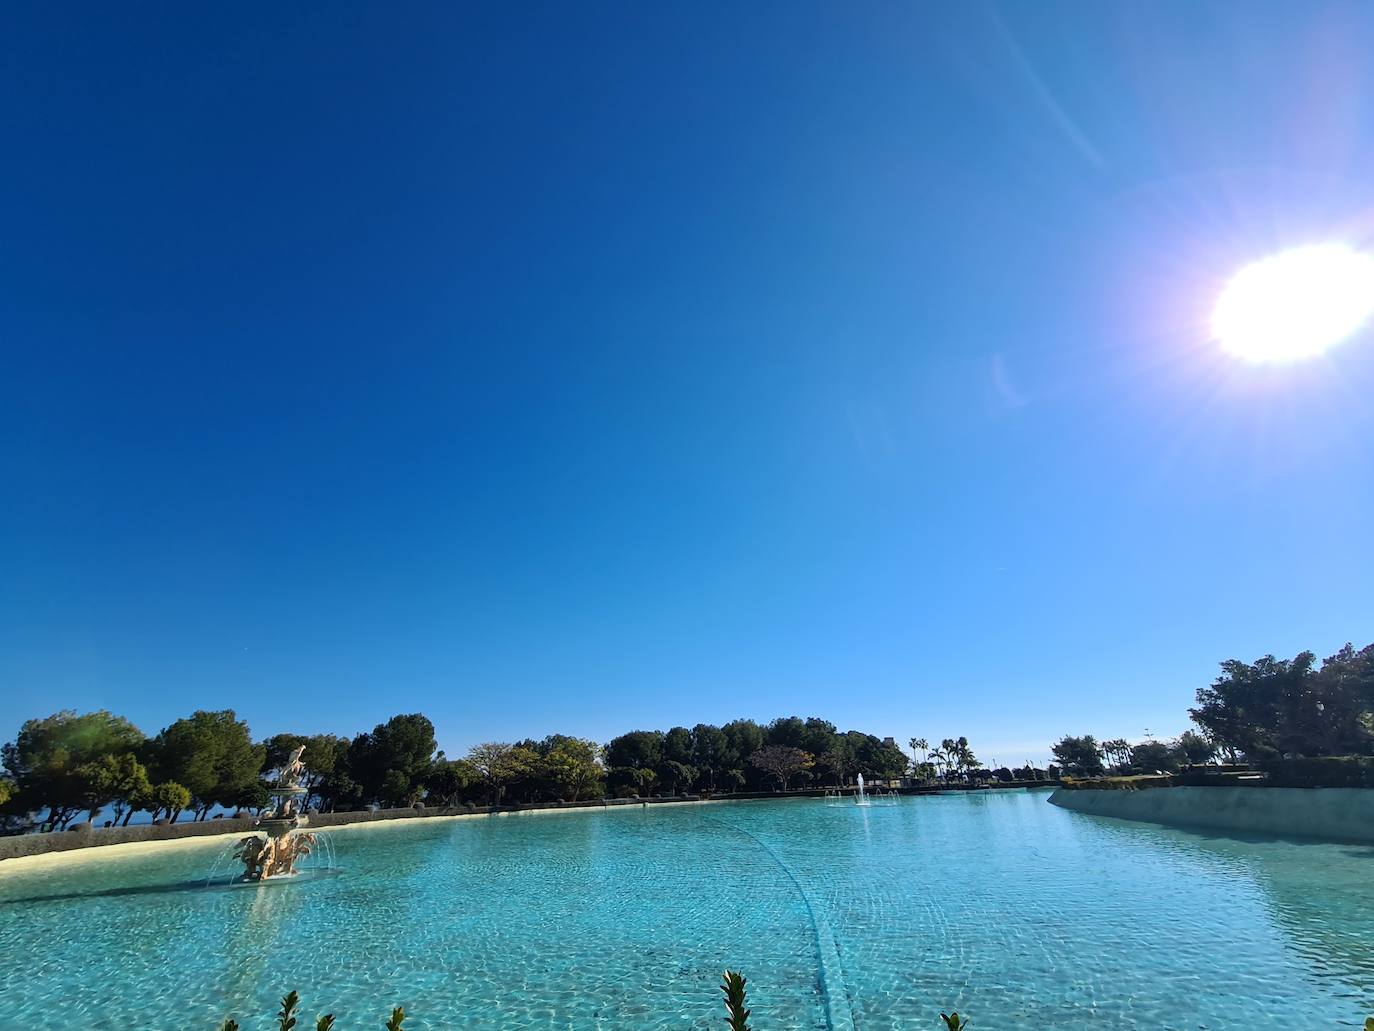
{"points": [[1018, 913]]}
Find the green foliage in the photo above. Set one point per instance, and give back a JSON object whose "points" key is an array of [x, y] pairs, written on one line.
{"points": [[1155, 757], [1329, 772], [169, 797], [253, 795], [953, 1022], [736, 1012], [53, 760], [398, 1015], [446, 781], [1274, 707], [781, 762], [118, 779], [571, 766], [498, 763], [390, 764], [1132, 783], [210, 754], [229, 1025], [286, 1019], [1194, 748], [325, 1023], [1080, 756], [641, 749], [6, 791]]}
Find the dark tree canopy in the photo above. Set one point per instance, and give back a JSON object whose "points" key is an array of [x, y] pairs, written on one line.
{"points": [[55, 762], [211, 755], [1274, 707], [1080, 756], [390, 764], [640, 749]]}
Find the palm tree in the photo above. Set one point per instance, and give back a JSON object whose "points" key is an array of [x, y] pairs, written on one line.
{"points": [[952, 757], [920, 744], [940, 760]]}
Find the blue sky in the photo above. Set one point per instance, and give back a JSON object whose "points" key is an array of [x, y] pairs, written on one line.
{"points": [[588, 367]]}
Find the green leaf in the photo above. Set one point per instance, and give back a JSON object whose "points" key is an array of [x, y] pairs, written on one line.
{"points": [[229, 1025], [286, 1019], [397, 1016], [736, 1013], [325, 1023]]}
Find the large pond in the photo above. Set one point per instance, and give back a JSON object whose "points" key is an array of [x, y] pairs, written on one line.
{"points": [[1020, 914]]}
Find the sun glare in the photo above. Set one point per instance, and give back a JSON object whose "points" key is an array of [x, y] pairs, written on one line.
{"points": [[1295, 304]]}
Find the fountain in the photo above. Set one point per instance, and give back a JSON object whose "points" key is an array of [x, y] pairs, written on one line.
{"points": [[861, 798], [276, 854]]}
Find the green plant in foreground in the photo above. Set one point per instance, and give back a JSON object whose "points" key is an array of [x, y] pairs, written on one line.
{"points": [[397, 1016], [736, 1015], [286, 1019], [952, 1021], [325, 1023]]}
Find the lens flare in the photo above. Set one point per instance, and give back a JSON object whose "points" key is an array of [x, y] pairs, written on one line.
{"points": [[1295, 304]]}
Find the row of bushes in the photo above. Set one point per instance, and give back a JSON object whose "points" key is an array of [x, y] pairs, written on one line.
{"points": [[1326, 772]]}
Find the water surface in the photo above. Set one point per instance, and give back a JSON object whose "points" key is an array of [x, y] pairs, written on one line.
{"points": [[1020, 914]]}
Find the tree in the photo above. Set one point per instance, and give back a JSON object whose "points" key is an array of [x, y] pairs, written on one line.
{"points": [[390, 764], [890, 762], [781, 761], [1079, 756], [211, 754], [252, 796], [168, 797], [53, 758], [743, 739], [1274, 707], [6, 791], [818, 736], [711, 753], [1118, 751], [574, 768], [498, 763], [642, 749], [920, 744], [118, 779], [1154, 757], [677, 746], [789, 731], [675, 774], [965, 760], [447, 780], [839, 760], [625, 780], [323, 754], [1194, 748]]}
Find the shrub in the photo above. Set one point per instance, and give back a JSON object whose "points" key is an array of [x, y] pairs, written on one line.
{"points": [[1328, 772]]}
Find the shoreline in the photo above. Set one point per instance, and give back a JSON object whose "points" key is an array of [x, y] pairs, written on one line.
{"points": [[60, 853], [29, 851]]}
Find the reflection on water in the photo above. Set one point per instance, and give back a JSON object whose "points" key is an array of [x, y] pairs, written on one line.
{"points": [[1014, 911], [198, 885], [1317, 893]]}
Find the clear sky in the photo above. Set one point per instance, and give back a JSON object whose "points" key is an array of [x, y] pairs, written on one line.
{"points": [[595, 366]]}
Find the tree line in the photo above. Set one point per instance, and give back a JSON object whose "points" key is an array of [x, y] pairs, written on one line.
{"points": [[70, 765], [1253, 711]]}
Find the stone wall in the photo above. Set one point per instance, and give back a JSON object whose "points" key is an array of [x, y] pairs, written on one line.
{"points": [[1335, 814]]}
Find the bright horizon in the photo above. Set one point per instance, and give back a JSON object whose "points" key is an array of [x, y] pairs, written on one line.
{"points": [[588, 370]]}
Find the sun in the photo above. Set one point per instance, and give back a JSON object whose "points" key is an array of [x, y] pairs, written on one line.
{"points": [[1295, 304]]}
